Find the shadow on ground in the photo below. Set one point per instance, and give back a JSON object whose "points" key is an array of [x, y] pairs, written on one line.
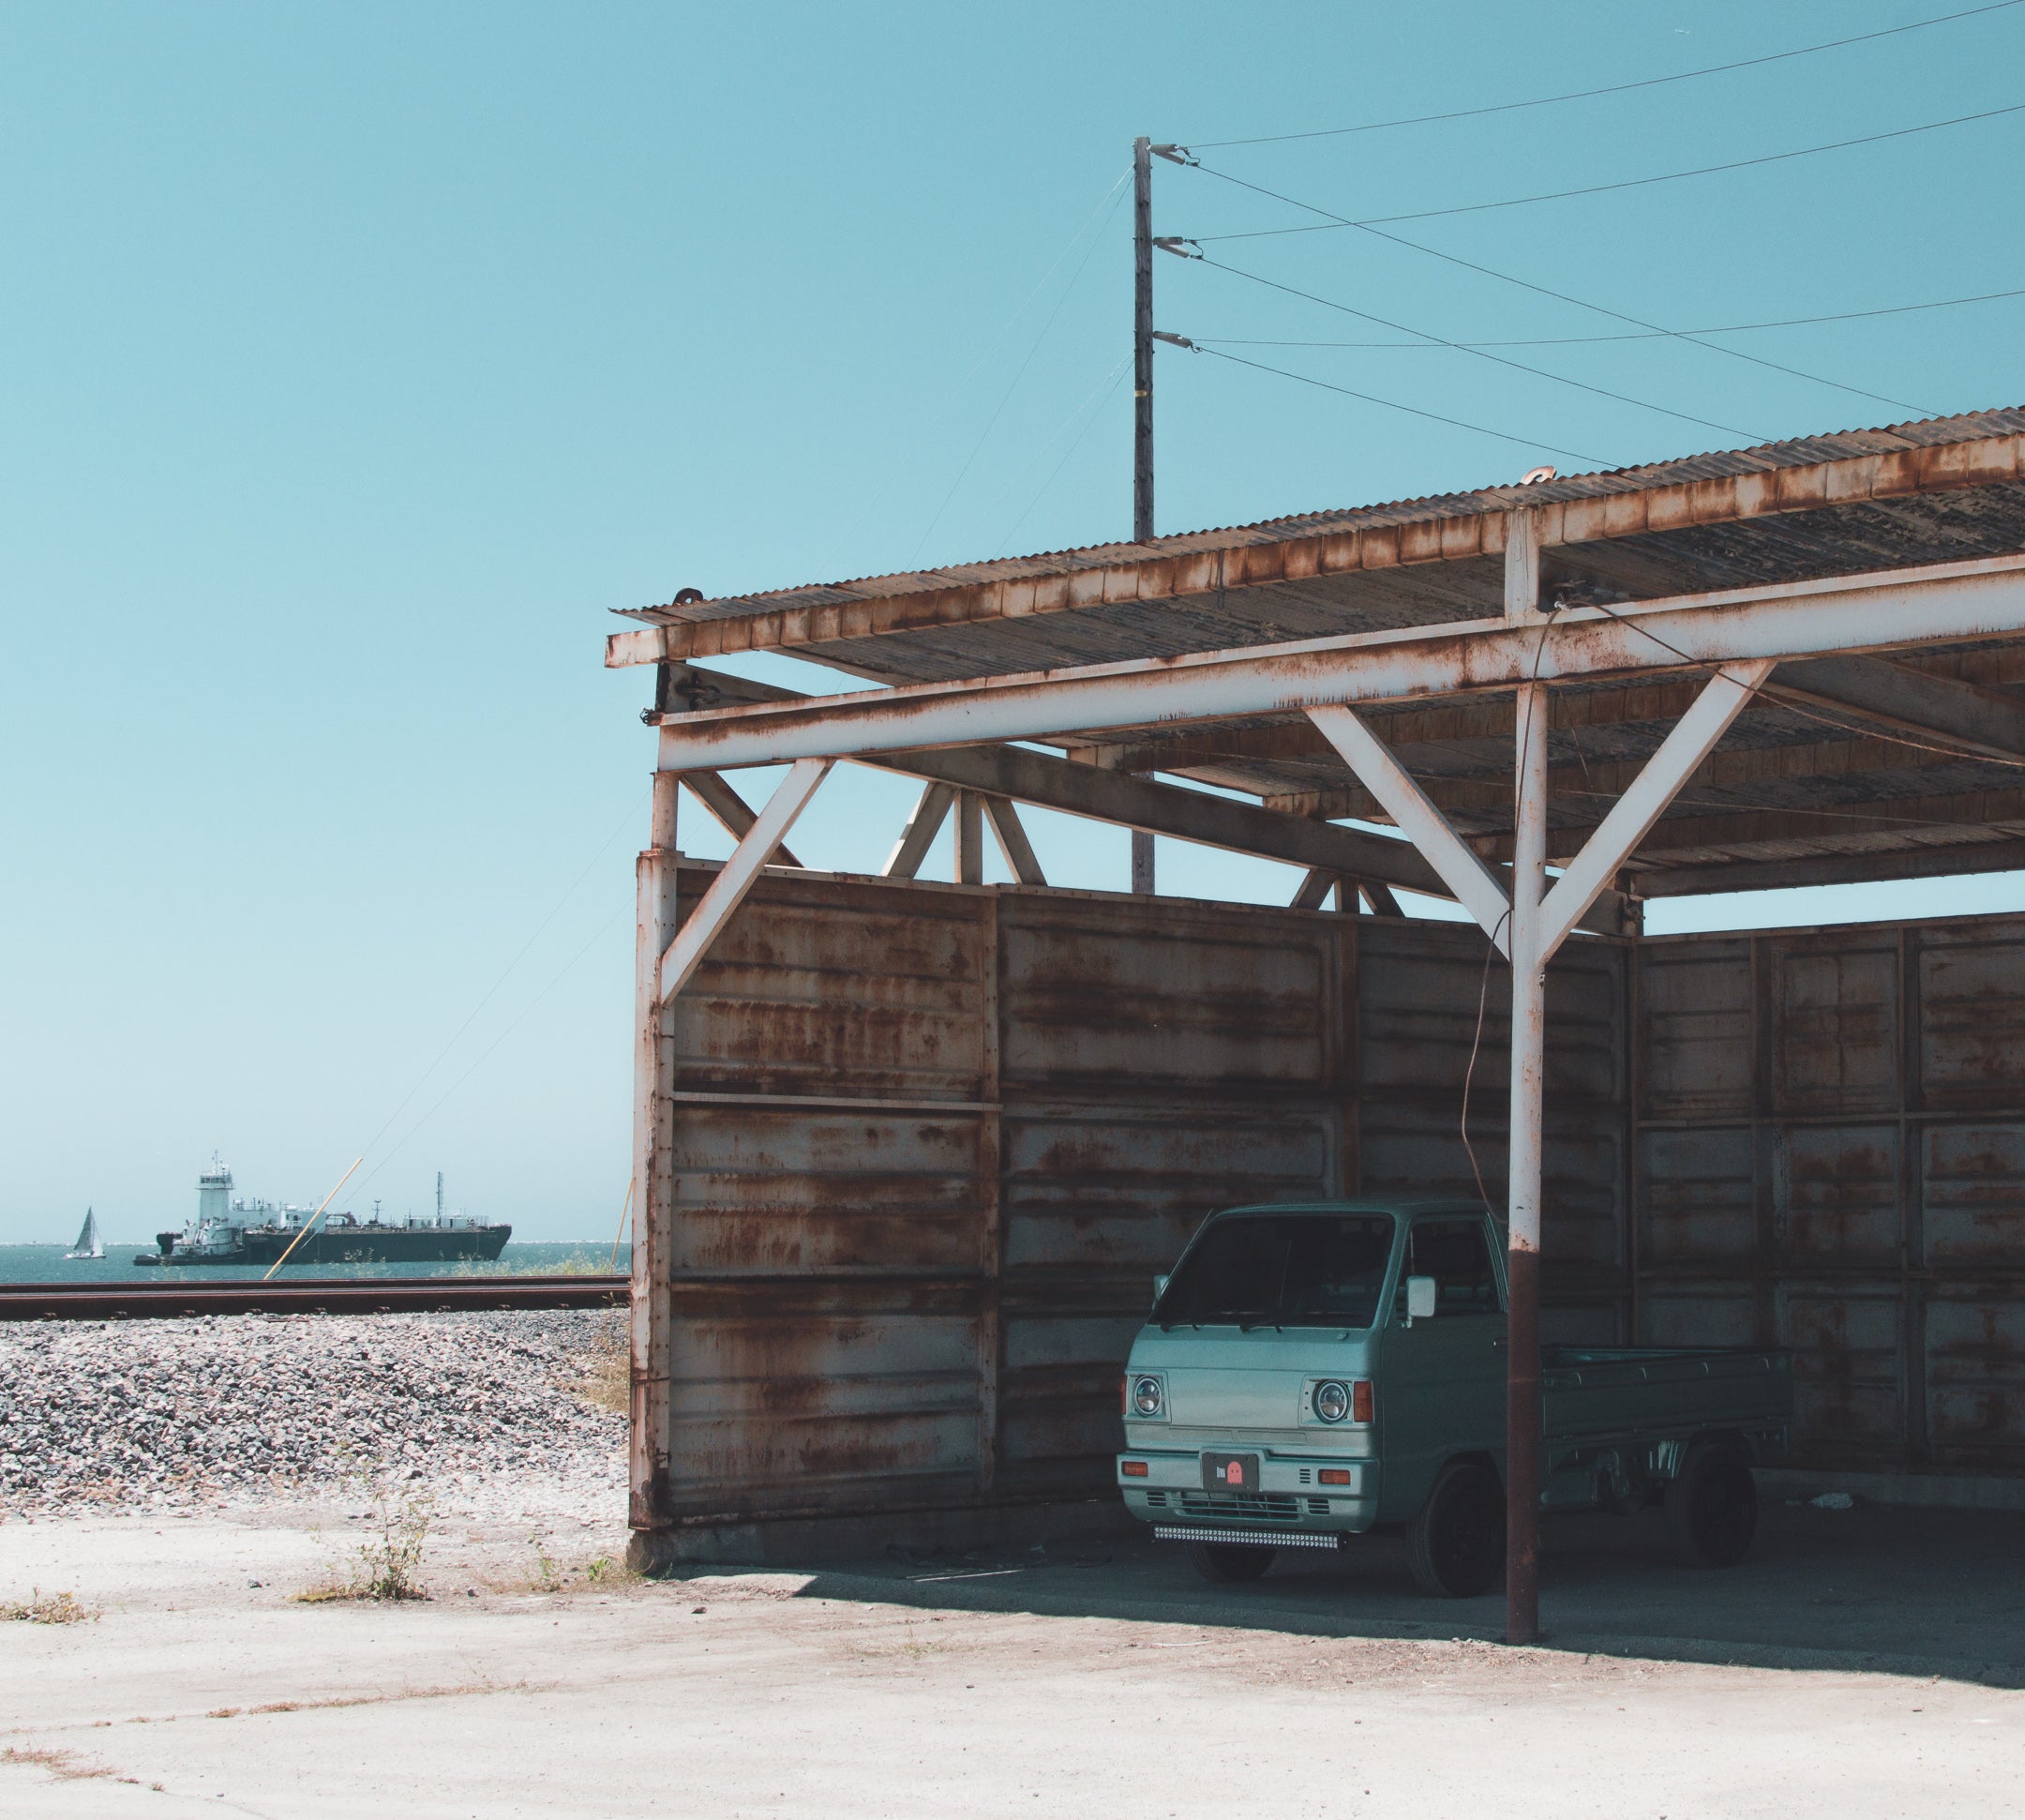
{"points": [[1877, 1587]]}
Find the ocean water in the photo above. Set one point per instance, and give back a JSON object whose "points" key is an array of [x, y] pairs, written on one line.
{"points": [[47, 1264]]}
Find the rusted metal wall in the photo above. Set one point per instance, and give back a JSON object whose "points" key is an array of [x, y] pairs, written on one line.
{"points": [[1830, 1141], [930, 1143]]}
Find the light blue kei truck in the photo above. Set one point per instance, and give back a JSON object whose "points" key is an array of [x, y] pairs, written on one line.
{"points": [[1312, 1372]]}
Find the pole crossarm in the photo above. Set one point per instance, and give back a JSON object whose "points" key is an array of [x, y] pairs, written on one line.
{"points": [[1943, 603], [738, 874], [1472, 882], [1631, 817]]}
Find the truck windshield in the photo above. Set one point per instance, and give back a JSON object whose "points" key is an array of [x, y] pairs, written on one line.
{"points": [[1280, 1270]]}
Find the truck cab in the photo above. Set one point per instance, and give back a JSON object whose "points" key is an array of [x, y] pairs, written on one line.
{"points": [[1310, 1372]]}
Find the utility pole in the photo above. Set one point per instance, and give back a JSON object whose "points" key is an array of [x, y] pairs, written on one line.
{"points": [[1141, 158]]}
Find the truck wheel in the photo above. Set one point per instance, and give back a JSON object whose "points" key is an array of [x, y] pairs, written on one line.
{"points": [[1712, 1505], [1456, 1545], [1229, 1562]]}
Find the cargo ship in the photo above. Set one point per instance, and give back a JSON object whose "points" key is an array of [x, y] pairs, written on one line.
{"points": [[244, 1231]]}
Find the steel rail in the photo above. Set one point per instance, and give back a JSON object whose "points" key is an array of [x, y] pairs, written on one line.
{"points": [[101, 1301]]}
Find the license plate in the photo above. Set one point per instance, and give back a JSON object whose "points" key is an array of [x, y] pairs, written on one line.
{"points": [[1230, 1472]]}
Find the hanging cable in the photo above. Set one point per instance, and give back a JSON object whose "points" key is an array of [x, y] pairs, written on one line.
{"points": [[1563, 297], [1412, 411], [1621, 183], [1107, 385], [1616, 88], [1481, 354], [1644, 335]]}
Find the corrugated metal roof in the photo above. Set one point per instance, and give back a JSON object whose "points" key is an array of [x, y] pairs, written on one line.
{"points": [[1782, 789], [1799, 452]]}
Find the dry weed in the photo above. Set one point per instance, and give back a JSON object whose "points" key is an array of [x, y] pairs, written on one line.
{"points": [[55, 1608]]}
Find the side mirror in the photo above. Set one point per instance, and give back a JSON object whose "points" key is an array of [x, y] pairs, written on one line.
{"points": [[1160, 1288], [1419, 1299]]}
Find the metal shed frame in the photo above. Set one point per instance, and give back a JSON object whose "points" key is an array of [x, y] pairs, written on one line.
{"points": [[1563, 599]]}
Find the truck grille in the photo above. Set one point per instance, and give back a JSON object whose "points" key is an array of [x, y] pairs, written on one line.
{"points": [[1250, 1506]]}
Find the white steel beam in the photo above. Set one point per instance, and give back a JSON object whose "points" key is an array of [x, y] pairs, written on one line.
{"points": [[1472, 882], [931, 809], [1631, 817], [1984, 598], [1006, 830], [728, 809], [738, 874], [1314, 889]]}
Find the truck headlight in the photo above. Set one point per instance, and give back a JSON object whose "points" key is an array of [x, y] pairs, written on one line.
{"points": [[1332, 1401], [1146, 1396]]}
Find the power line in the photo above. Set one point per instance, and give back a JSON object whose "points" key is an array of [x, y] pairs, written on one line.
{"points": [[1603, 189], [985, 353], [1647, 335], [1412, 411], [1617, 88], [1107, 385], [1563, 297], [1481, 353], [485, 998], [1118, 196]]}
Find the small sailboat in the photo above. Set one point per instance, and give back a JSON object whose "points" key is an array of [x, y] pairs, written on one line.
{"points": [[88, 1244]]}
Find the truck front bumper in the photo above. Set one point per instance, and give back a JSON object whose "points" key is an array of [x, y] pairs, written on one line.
{"points": [[1291, 1499]]}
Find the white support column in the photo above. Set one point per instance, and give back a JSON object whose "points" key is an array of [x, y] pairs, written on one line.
{"points": [[931, 809], [1524, 1172], [739, 873], [1141, 863], [1476, 887], [969, 837], [1631, 817], [655, 914]]}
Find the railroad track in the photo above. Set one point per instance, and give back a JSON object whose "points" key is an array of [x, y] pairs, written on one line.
{"points": [[97, 1302]]}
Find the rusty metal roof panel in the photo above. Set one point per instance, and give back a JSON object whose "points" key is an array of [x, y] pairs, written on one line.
{"points": [[1798, 452]]}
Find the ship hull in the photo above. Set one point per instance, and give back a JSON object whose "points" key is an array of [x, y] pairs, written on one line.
{"points": [[359, 1244]]}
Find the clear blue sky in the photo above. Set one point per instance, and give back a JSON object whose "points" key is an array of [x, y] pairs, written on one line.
{"points": [[354, 360]]}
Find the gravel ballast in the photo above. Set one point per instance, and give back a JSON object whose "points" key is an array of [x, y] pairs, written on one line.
{"points": [[483, 1408]]}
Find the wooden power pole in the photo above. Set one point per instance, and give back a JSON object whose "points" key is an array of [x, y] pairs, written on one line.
{"points": [[1142, 844]]}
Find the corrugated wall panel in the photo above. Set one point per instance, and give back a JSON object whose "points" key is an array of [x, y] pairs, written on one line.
{"points": [[1126, 1185], [1835, 1196], [1154, 993], [1698, 1199], [765, 1187], [1849, 1371], [1976, 1381], [1971, 997], [806, 1410], [1864, 1183], [1696, 1019], [1836, 1021], [840, 988], [1972, 1195]]}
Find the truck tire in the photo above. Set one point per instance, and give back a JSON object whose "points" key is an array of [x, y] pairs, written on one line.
{"points": [[1456, 1545], [1712, 1505], [1229, 1562]]}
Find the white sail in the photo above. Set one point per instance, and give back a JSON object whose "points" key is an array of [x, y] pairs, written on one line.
{"points": [[88, 1244]]}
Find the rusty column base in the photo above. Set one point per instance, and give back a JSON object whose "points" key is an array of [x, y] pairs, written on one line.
{"points": [[1522, 1452]]}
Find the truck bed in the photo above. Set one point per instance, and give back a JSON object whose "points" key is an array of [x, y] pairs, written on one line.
{"points": [[1614, 1396]]}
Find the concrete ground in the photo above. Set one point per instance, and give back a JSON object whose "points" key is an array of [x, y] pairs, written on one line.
{"points": [[1863, 1663]]}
